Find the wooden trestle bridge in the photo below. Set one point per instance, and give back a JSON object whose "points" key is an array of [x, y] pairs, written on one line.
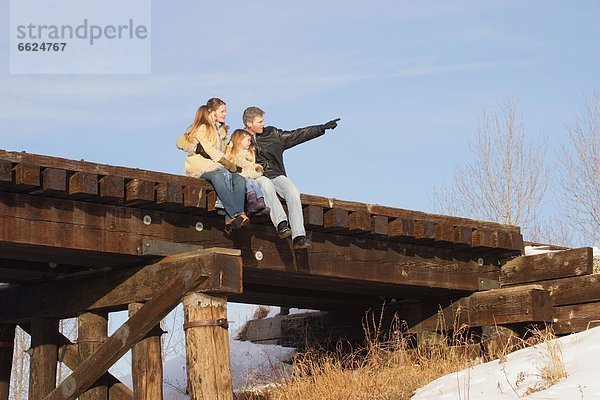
{"points": [[79, 239]]}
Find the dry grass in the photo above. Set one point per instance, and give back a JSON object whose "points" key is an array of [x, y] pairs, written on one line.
{"points": [[393, 369]]}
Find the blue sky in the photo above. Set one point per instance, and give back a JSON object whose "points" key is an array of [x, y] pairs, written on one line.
{"points": [[408, 79]]}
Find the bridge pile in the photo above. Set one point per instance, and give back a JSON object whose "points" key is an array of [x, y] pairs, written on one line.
{"points": [[81, 239]]}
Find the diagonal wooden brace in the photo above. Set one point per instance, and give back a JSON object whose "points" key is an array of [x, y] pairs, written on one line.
{"points": [[133, 330]]}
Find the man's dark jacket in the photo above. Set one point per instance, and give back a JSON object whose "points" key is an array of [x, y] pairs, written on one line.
{"points": [[272, 142]]}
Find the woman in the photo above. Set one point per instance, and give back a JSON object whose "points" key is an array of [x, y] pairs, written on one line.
{"points": [[241, 153], [205, 141]]}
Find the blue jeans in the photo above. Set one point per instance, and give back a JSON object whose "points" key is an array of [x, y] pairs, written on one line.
{"points": [[283, 186], [231, 189], [252, 184]]}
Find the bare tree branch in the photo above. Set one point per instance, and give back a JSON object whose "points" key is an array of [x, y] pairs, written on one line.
{"points": [[579, 190], [506, 179]]}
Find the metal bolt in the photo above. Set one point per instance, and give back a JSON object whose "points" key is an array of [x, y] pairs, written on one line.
{"points": [[52, 265], [147, 220], [199, 226], [258, 255], [480, 262]]}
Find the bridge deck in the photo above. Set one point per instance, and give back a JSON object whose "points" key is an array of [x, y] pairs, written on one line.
{"points": [[61, 217]]}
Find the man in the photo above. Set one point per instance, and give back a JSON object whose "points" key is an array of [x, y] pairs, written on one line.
{"points": [[269, 144]]}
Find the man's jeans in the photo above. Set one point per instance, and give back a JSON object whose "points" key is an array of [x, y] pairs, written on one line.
{"points": [[283, 186], [231, 189]]}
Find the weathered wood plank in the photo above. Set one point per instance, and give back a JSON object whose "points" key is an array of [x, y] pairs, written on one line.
{"points": [[138, 191], [54, 181], [7, 337], [483, 238], [5, 173], [67, 224], [313, 217], [380, 226], [359, 222], [83, 185], [576, 318], [112, 290], [463, 235], [530, 303], [169, 194], [335, 220], [573, 290], [547, 266], [425, 230], [112, 189], [402, 229], [366, 260], [194, 198], [134, 329], [26, 177], [444, 233]]}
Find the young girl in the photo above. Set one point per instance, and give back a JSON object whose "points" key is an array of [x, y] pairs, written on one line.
{"points": [[206, 147], [241, 153]]}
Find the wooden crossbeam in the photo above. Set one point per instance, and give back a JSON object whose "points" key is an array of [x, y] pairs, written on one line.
{"points": [[529, 303], [546, 266], [114, 290], [366, 260], [138, 325]]}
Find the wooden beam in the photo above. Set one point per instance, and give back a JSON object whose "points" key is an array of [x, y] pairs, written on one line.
{"points": [[335, 220], [44, 357], [7, 337], [5, 173], [313, 217], [547, 266], [111, 188], [112, 290], [54, 181], [207, 347], [573, 290], [139, 191], [359, 222], [26, 177], [576, 318], [68, 224], [366, 260], [169, 194], [530, 303], [136, 327], [83, 185], [146, 363], [92, 329]]}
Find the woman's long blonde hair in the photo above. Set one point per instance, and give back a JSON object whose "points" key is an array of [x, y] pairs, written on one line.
{"points": [[202, 118]]}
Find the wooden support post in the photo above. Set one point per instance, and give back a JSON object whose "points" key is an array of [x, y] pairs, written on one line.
{"points": [[146, 363], [44, 357], [7, 337], [207, 347], [92, 329]]}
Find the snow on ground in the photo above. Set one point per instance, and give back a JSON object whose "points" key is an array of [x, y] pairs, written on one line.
{"points": [[522, 371]]}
